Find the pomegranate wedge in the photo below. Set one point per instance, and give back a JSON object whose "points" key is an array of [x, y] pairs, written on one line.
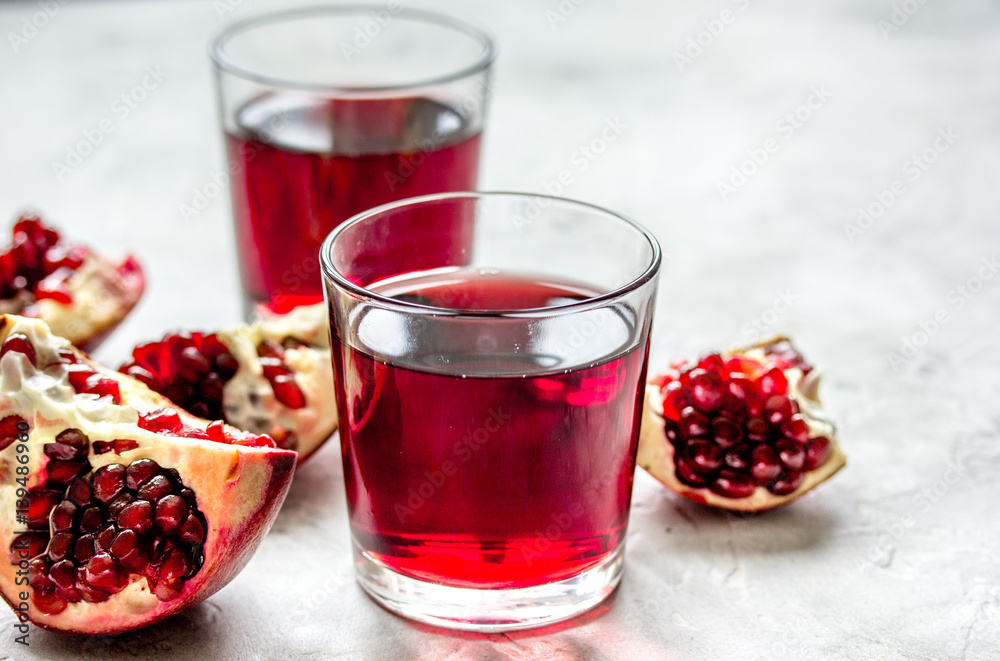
{"points": [[271, 377], [741, 430], [79, 294], [118, 511]]}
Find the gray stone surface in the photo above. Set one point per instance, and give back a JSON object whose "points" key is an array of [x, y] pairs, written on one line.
{"points": [[897, 557]]}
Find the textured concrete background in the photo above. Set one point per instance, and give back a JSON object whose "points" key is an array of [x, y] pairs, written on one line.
{"points": [[897, 557]]}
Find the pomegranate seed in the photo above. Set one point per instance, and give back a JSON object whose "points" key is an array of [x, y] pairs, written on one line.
{"points": [[703, 457], [170, 512], [54, 287], [105, 537], [91, 519], [63, 451], [739, 457], [733, 485], [226, 365], [192, 365], [61, 473], [705, 390], [137, 516], [103, 386], [211, 389], [772, 382], [693, 423], [796, 429], [713, 363], [674, 401], [38, 573], [19, 343], [786, 484], [10, 429], [75, 438], [63, 516], [742, 388], [63, 574], [60, 545], [118, 504], [161, 420], [765, 466], [216, 431], [125, 547], [48, 601], [726, 433], [103, 572], [757, 430], [155, 488], [817, 452], [777, 409], [140, 471], [79, 492], [108, 482], [88, 592], [192, 531], [84, 548], [288, 392], [175, 565], [687, 475], [793, 455], [40, 503], [123, 445], [272, 367]]}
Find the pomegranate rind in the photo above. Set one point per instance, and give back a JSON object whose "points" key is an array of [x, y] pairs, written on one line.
{"points": [[656, 453], [239, 489]]}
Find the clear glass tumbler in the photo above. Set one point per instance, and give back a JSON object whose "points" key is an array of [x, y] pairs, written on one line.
{"points": [[332, 110], [490, 389]]}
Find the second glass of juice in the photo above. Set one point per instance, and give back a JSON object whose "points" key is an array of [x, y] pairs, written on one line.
{"points": [[329, 111], [490, 400]]}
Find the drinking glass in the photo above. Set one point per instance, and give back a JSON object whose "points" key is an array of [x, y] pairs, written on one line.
{"points": [[490, 390], [332, 110]]}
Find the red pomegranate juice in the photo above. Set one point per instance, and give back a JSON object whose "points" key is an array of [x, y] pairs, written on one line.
{"points": [[299, 167], [487, 460]]}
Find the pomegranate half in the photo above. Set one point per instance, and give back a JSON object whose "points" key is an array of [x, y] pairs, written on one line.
{"points": [[79, 294], [117, 511], [272, 377], [741, 430]]}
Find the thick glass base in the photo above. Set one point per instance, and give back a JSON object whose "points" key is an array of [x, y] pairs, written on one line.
{"points": [[488, 610]]}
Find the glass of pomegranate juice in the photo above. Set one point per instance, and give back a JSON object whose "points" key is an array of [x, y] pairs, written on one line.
{"points": [[490, 401], [332, 110]]}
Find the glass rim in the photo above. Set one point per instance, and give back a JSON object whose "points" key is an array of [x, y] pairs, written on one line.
{"points": [[224, 62], [591, 302]]}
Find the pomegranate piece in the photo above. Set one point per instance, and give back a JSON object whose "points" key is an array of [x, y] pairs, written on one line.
{"points": [[128, 522], [740, 430], [272, 377], [79, 294]]}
